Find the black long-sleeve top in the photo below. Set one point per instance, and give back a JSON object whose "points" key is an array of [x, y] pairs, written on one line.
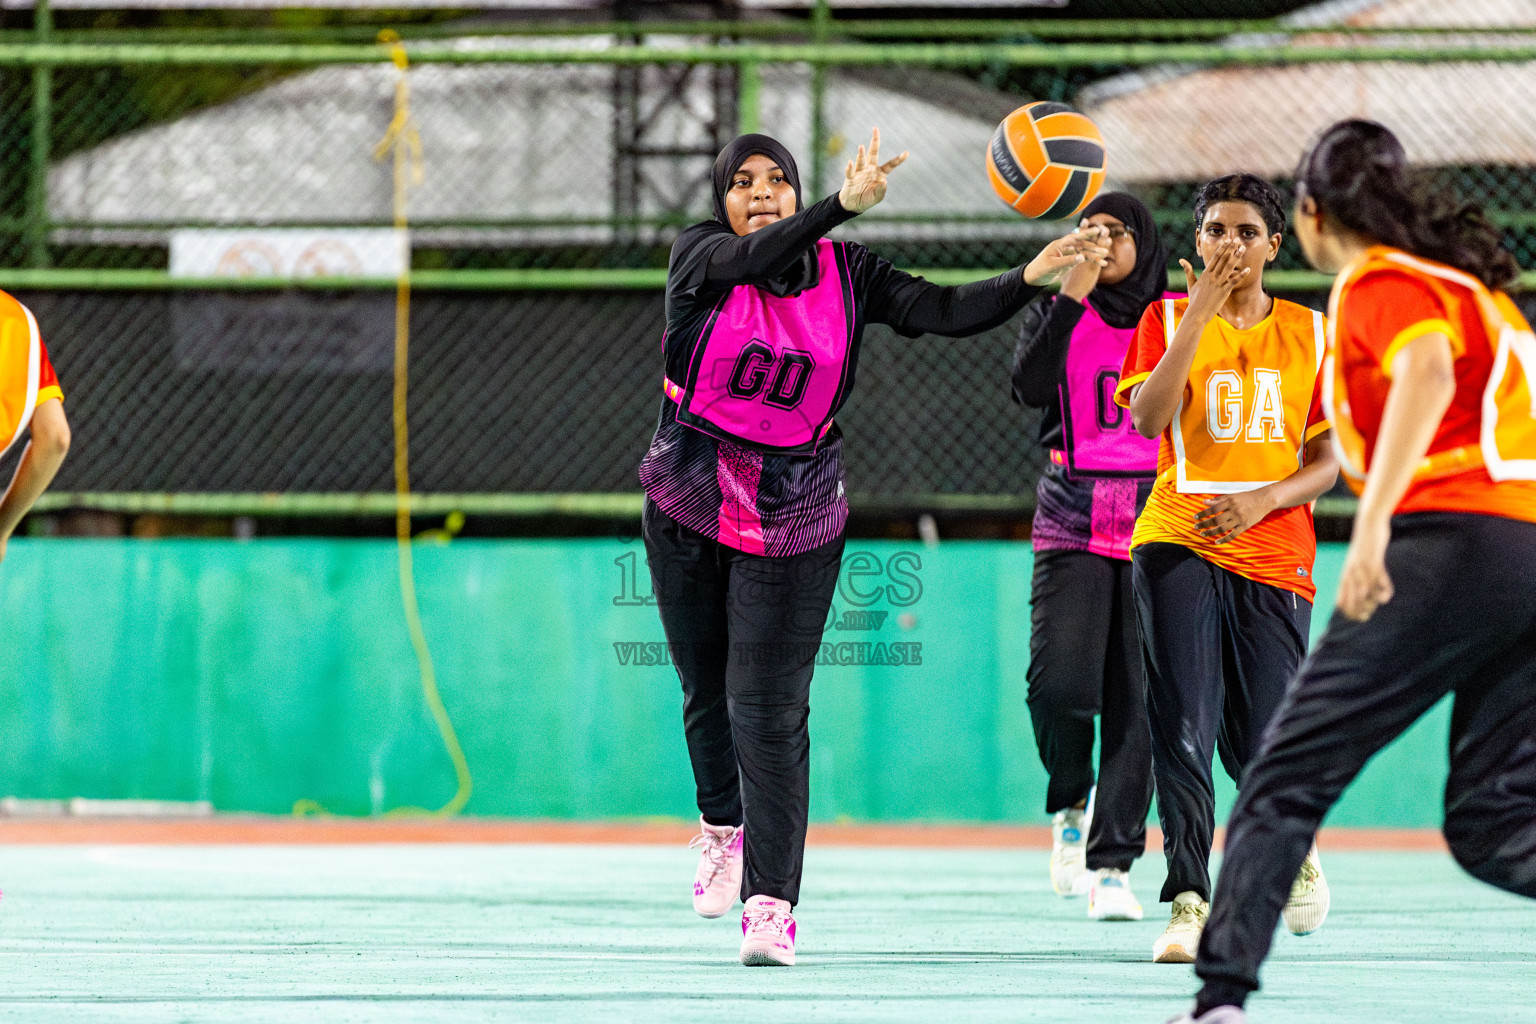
{"points": [[1040, 360], [783, 505], [1070, 514]]}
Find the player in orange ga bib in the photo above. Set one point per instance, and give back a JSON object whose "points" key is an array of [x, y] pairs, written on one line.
{"points": [[30, 397], [1222, 553], [1430, 385]]}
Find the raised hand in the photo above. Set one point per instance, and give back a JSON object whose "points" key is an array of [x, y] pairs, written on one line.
{"points": [[1210, 290], [864, 178], [1086, 245], [1079, 281]]}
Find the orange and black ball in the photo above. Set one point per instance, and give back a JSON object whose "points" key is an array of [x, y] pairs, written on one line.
{"points": [[1046, 160]]}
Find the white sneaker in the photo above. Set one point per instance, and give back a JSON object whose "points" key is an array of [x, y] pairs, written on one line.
{"points": [[1069, 852], [1307, 908], [1220, 1015], [767, 933], [717, 881], [1180, 941], [1110, 897]]}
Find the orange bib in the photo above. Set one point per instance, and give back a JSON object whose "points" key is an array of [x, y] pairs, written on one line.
{"points": [[1242, 422], [1506, 448], [21, 362]]}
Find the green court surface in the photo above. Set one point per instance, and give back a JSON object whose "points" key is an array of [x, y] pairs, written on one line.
{"points": [[605, 933]]}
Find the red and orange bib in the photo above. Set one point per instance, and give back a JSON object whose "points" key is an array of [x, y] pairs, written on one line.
{"points": [[1483, 456], [1251, 403], [26, 376]]}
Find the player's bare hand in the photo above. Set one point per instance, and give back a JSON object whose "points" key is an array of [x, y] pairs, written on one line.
{"points": [[1079, 281], [864, 177], [1364, 585], [1227, 517], [1084, 247], [1225, 272], [3, 542]]}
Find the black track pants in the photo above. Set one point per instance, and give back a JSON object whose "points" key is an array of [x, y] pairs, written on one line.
{"points": [[744, 631], [1219, 651], [1085, 661], [1462, 621]]}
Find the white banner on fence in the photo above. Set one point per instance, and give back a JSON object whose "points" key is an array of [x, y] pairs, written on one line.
{"points": [[288, 252]]}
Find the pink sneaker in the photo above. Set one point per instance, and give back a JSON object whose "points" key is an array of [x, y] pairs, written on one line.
{"points": [[767, 933], [717, 883]]}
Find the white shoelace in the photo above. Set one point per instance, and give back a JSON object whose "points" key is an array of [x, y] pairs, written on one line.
{"points": [[1305, 884], [759, 916], [716, 849], [1190, 915]]}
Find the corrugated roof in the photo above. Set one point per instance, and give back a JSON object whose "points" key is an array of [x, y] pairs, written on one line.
{"points": [[500, 142], [1183, 124]]}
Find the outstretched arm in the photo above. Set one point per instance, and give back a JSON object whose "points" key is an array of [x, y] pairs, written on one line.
{"points": [[39, 464], [768, 252], [914, 306], [1040, 358]]}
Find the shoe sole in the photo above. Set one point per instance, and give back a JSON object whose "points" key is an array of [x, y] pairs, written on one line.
{"points": [[724, 909], [1174, 954], [1307, 931], [764, 958]]}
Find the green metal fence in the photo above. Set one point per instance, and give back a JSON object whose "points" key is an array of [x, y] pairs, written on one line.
{"points": [[560, 160], [83, 98]]}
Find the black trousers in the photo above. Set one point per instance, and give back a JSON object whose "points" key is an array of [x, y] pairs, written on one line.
{"points": [[1085, 661], [744, 632], [1219, 650], [1462, 621]]}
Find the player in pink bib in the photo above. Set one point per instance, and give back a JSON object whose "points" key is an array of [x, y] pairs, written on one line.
{"points": [[745, 508], [1084, 657]]}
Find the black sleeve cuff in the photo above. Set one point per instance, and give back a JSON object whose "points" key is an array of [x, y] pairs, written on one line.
{"points": [[1064, 314]]}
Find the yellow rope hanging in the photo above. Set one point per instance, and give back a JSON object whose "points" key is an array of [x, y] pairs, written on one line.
{"points": [[404, 142]]}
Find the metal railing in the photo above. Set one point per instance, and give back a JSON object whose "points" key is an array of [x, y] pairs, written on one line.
{"points": [[198, 393]]}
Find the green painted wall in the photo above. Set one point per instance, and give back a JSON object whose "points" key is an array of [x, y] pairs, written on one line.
{"points": [[255, 674]]}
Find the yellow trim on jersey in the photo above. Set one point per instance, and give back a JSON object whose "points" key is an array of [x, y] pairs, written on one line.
{"points": [[1413, 332], [1316, 429], [51, 391], [1123, 389], [1449, 463]]}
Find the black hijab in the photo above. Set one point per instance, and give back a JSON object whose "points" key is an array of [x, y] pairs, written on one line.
{"points": [[727, 164], [1122, 304]]}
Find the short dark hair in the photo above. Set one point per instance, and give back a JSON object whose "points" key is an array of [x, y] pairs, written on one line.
{"points": [[1357, 172], [1243, 188]]}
